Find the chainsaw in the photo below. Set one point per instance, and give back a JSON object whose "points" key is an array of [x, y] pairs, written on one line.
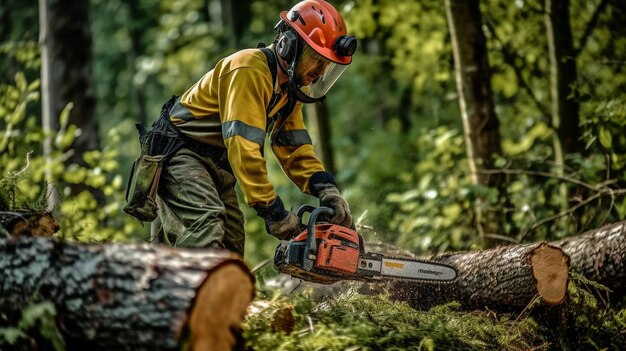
{"points": [[334, 253]]}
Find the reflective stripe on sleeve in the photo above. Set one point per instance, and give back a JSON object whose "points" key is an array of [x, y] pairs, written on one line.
{"points": [[296, 137], [248, 132], [179, 112]]}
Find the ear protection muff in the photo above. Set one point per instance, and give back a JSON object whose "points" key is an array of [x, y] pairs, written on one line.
{"points": [[286, 45]]}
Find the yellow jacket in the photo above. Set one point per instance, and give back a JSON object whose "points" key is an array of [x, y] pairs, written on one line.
{"points": [[227, 108]]}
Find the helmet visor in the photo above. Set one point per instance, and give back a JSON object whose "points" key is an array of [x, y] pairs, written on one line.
{"points": [[316, 72]]}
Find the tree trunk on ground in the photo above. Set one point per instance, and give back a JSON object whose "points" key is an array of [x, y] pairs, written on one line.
{"points": [[139, 297], [485, 276], [504, 278], [600, 255], [480, 123]]}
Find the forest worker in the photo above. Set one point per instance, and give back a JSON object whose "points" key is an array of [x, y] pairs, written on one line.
{"points": [[224, 119]]}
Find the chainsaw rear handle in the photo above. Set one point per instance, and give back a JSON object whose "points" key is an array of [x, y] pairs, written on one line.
{"points": [[310, 253]]}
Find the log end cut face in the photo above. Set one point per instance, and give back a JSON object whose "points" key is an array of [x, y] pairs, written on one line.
{"points": [[550, 267], [220, 308]]}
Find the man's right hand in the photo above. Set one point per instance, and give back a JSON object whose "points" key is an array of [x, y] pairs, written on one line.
{"points": [[279, 222], [285, 229]]}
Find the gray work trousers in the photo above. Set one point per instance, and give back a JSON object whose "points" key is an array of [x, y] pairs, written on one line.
{"points": [[198, 205]]}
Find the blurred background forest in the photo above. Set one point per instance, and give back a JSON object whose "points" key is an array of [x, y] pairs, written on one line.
{"points": [[526, 143]]}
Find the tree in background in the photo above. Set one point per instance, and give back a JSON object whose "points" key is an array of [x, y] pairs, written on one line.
{"points": [[563, 76], [473, 79], [66, 72]]}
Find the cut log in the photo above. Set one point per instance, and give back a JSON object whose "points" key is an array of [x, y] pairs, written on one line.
{"points": [[504, 278], [600, 255], [131, 296], [30, 223]]}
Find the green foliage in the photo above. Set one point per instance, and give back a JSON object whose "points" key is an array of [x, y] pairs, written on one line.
{"points": [[26, 173], [413, 37], [603, 130], [407, 46], [436, 210], [352, 321], [436, 207], [187, 43], [37, 320], [586, 321]]}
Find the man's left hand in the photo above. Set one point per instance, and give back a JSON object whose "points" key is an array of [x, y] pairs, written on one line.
{"points": [[331, 198]]}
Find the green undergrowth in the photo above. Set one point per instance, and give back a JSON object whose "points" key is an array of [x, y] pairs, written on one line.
{"points": [[588, 320], [353, 321]]}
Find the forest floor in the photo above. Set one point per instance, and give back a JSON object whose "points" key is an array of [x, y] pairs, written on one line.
{"points": [[351, 320]]}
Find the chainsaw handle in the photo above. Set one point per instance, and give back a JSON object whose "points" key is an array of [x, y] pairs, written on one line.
{"points": [[310, 208], [304, 209], [310, 253]]}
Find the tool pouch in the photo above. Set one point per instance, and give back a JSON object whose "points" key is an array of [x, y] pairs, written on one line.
{"points": [[142, 187], [157, 146]]}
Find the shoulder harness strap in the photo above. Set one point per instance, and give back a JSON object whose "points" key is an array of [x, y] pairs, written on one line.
{"points": [[291, 104], [271, 63]]}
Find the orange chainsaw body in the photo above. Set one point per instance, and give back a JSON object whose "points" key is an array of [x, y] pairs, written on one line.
{"points": [[337, 248]]}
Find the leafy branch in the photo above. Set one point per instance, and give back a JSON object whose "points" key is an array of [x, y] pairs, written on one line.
{"points": [[601, 190], [510, 58]]}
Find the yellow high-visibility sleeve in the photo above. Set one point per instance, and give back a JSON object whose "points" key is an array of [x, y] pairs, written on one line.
{"points": [[244, 94], [293, 148]]}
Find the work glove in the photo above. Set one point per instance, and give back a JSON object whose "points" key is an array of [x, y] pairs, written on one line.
{"points": [[322, 185], [330, 197], [279, 222]]}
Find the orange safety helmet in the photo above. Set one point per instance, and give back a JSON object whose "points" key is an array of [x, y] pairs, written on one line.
{"points": [[321, 26], [310, 32]]}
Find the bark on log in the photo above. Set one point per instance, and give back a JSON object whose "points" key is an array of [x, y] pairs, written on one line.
{"points": [[504, 278], [600, 255], [131, 297]]}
